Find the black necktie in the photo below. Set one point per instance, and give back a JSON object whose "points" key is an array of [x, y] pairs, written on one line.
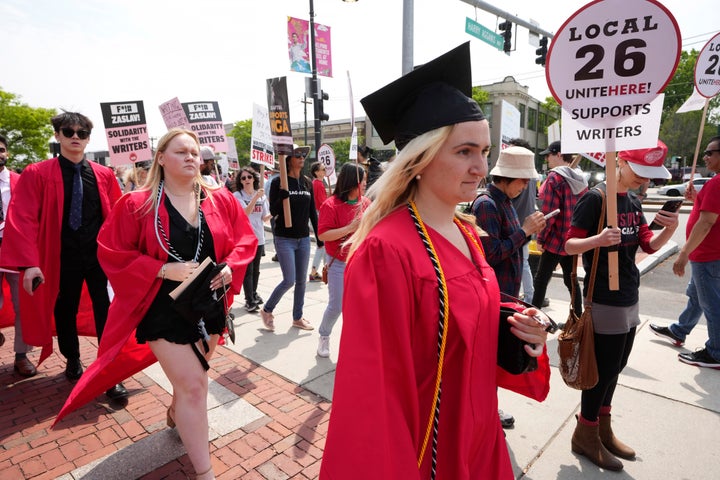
{"points": [[76, 202]]}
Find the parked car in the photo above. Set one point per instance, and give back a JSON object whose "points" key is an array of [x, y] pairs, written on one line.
{"points": [[679, 190]]}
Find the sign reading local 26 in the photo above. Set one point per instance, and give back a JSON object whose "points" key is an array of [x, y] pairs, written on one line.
{"points": [[707, 68], [606, 66]]}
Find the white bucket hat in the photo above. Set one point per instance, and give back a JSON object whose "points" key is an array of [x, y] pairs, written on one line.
{"points": [[515, 162]]}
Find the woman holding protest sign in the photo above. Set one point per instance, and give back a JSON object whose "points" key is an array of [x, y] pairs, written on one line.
{"points": [[292, 243], [615, 313]]}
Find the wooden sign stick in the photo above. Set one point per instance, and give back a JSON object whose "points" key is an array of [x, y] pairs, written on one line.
{"points": [[284, 186], [700, 135], [611, 208]]}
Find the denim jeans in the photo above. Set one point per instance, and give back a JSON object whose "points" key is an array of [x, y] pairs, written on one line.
{"points": [[690, 316], [706, 277], [336, 273], [293, 255], [527, 276], [318, 257]]}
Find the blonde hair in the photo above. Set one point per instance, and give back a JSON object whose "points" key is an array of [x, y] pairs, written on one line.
{"points": [[398, 185], [157, 173]]}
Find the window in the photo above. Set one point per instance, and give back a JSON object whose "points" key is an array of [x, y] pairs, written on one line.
{"points": [[521, 107], [487, 109], [542, 121], [532, 119]]}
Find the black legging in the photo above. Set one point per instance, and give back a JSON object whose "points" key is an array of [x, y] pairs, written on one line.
{"points": [[546, 267], [252, 276], [611, 352]]}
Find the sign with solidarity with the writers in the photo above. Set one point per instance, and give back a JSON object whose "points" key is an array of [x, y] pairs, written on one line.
{"points": [[606, 66], [126, 132], [205, 120]]}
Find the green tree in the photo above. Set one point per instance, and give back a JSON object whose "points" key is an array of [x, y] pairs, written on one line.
{"points": [[342, 151], [242, 133], [679, 131], [480, 95], [27, 130]]}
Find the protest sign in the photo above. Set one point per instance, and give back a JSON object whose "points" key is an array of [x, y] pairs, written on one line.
{"points": [[173, 114], [280, 132], [707, 68], [606, 66], [261, 148], [205, 120], [126, 132]]}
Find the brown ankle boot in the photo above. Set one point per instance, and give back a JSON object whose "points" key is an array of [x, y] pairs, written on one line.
{"points": [[611, 442], [586, 442]]}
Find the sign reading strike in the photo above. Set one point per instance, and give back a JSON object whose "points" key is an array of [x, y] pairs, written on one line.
{"points": [[606, 67], [126, 132], [206, 122], [707, 69], [261, 148]]}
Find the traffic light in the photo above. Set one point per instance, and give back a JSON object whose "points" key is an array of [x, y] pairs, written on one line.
{"points": [[506, 29], [319, 107], [542, 51]]}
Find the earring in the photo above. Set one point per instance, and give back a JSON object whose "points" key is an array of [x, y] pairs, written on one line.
{"points": [[418, 177]]}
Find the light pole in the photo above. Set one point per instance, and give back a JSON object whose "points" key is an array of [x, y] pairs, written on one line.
{"points": [[316, 90]]}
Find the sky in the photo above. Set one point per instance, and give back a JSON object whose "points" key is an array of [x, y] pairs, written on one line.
{"points": [[75, 54]]}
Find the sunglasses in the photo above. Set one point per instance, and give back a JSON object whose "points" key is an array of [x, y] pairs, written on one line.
{"points": [[246, 178], [69, 132], [707, 153], [299, 155]]}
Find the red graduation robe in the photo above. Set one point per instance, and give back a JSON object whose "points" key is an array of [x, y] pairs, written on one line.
{"points": [[32, 239], [7, 312], [385, 377], [131, 256]]}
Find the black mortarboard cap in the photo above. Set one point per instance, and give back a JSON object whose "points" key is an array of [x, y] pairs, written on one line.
{"points": [[433, 95]]}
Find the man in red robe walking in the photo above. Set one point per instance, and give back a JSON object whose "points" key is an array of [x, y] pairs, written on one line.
{"points": [[56, 212]]}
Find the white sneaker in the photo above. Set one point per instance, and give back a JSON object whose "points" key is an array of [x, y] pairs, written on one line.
{"points": [[323, 349]]}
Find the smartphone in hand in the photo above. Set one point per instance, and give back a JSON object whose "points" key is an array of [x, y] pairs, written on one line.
{"points": [[36, 283], [552, 214], [669, 206]]}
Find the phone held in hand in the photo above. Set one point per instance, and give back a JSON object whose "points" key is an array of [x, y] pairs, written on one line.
{"points": [[669, 206], [552, 214], [36, 283]]}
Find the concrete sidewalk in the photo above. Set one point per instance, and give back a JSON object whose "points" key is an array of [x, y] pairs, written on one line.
{"points": [[269, 405]]}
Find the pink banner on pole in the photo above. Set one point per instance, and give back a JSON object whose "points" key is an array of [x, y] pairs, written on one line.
{"points": [[298, 45], [173, 114], [323, 56]]}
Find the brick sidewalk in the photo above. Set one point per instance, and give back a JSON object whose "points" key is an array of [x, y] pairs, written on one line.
{"points": [[285, 442]]}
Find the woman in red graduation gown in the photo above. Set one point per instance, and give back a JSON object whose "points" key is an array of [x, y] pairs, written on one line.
{"points": [[419, 295], [154, 239]]}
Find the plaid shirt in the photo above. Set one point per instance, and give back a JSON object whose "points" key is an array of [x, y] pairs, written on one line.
{"points": [[556, 193], [504, 238]]}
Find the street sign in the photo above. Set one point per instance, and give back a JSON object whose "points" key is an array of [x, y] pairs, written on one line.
{"points": [[483, 33]]}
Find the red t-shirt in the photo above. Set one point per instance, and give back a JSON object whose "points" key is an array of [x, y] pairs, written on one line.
{"points": [[708, 200], [319, 193], [335, 213]]}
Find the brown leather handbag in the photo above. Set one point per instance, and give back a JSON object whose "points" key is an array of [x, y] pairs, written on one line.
{"points": [[576, 343]]}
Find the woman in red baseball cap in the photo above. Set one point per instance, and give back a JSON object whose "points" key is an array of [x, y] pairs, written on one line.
{"points": [[615, 313]]}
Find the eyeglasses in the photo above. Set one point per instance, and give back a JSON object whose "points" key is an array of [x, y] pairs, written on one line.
{"points": [[299, 155], [69, 132], [246, 178], [707, 153]]}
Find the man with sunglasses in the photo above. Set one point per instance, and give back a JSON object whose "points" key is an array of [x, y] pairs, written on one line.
{"points": [[57, 209], [702, 250]]}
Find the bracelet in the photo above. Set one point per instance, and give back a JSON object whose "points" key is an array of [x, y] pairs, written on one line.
{"points": [[162, 270]]}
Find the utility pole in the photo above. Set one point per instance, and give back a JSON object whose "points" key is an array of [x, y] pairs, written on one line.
{"points": [[315, 84], [305, 102]]}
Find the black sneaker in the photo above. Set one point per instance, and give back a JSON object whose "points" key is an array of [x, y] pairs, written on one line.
{"points": [[274, 258], [699, 358], [667, 334], [252, 307], [545, 303], [258, 299]]}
